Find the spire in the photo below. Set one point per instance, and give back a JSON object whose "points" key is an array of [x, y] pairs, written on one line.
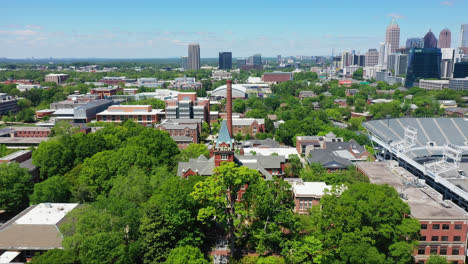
{"points": [[394, 21], [224, 136]]}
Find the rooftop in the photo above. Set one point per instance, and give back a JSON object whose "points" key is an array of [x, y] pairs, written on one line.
{"points": [[309, 189], [424, 202]]}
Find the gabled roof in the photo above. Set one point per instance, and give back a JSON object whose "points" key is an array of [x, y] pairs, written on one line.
{"points": [[328, 159], [224, 136]]}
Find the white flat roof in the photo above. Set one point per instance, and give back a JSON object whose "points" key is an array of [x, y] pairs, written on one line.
{"points": [[46, 214], [152, 112], [285, 152], [310, 188], [8, 256]]}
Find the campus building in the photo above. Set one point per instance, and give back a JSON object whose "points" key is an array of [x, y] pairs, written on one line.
{"points": [[188, 106], [142, 114]]}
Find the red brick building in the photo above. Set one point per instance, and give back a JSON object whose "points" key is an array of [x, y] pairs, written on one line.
{"points": [[43, 113], [443, 224], [277, 77], [250, 126], [307, 194], [187, 130], [30, 131], [106, 92], [142, 114]]}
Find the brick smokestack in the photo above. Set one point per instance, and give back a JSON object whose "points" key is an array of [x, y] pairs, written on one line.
{"points": [[229, 105]]}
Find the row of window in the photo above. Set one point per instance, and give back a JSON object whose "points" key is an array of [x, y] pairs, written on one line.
{"points": [[442, 250], [444, 226], [442, 238], [113, 117], [305, 205]]}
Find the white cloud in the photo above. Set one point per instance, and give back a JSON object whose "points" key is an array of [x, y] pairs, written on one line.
{"points": [[447, 3], [396, 15]]}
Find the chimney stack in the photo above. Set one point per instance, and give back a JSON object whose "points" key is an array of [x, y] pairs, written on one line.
{"points": [[229, 105]]}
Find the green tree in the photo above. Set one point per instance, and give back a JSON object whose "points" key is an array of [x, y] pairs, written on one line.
{"points": [[57, 256], [306, 250], [15, 186], [186, 255], [55, 189], [134, 186], [357, 74], [219, 194], [293, 167], [239, 106], [193, 151], [53, 158], [435, 259]]}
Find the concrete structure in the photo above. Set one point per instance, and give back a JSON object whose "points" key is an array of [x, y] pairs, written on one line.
{"points": [[221, 75], [142, 114], [250, 126], [445, 38], [193, 56], [458, 84], [447, 63], [398, 63], [430, 41], [35, 230], [392, 36], [277, 77], [443, 223], [8, 104], [56, 78], [384, 51], [229, 106], [433, 84], [188, 106], [225, 60], [307, 194]]}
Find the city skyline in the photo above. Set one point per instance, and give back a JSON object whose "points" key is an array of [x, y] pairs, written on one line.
{"points": [[150, 30]]}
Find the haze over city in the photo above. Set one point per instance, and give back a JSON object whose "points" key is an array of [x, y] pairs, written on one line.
{"points": [[154, 29]]}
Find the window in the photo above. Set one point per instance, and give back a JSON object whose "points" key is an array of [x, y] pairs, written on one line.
{"points": [[456, 238], [458, 226], [444, 238], [433, 250], [224, 156], [113, 117], [445, 226], [122, 118], [443, 251], [422, 251], [423, 226], [301, 205], [104, 118], [423, 238], [455, 251], [436, 226], [434, 238]]}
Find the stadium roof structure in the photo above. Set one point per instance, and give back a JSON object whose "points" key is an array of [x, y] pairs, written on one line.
{"points": [[436, 149]]}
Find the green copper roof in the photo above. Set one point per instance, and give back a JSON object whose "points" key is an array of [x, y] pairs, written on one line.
{"points": [[223, 136]]}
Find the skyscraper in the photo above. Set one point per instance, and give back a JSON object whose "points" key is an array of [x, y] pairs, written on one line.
{"points": [[383, 54], [255, 60], [414, 43], [430, 41], [392, 36], [194, 56], [225, 60], [445, 38], [372, 58], [464, 36], [423, 63]]}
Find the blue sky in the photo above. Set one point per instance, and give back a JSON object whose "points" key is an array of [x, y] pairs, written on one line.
{"points": [[160, 29]]}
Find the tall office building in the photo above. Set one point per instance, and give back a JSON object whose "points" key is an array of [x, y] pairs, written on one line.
{"points": [[184, 63], [414, 43], [430, 41], [464, 36], [346, 59], [392, 36], [372, 58], [255, 60], [359, 60], [383, 54], [194, 56], [279, 59], [446, 66], [445, 38], [398, 63], [225, 60], [423, 64]]}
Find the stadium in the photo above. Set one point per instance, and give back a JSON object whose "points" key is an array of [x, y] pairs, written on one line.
{"points": [[434, 149]]}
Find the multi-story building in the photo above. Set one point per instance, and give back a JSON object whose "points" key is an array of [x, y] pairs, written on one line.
{"points": [[255, 60], [398, 63], [177, 131], [188, 106], [8, 104], [186, 84], [430, 41], [383, 54], [460, 69], [221, 75], [414, 43], [464, 36], [30, 132], [184, 63], [359, 60], [106, 91], [112, 80], [277, 77], [225, 60], [85, 113], [423, 63], [56, 78], [26, 87], [194, 56], [433, 84], [445, 38], [142, 114], [306, 194], [392, 36], [248, 126], [446, 66], [458, 84], [443, 224]]}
